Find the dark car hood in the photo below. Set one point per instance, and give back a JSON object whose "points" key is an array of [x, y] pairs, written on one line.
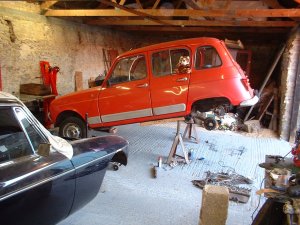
{"points": [[95, 148]]}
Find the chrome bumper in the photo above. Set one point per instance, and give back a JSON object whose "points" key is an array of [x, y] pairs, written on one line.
{"points": [[249, 102]]}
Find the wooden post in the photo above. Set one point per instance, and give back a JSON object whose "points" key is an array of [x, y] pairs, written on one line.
{"points": [[78, 81]]}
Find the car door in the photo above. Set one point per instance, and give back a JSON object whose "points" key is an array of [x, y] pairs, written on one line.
{"points": [[170, 77], [126, 95], [33, 189]]}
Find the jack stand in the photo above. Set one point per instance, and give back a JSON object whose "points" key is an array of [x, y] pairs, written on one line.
{"points": [[177, 140], [190, 127]]}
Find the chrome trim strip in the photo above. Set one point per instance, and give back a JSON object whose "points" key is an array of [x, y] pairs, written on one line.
{"points": [[94, 120], [34, 185], [169, 109], [127, 115]]}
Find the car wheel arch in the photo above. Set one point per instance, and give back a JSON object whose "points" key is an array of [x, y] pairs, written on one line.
{"points": [[208, 103], [120, 157], [65, 114]]}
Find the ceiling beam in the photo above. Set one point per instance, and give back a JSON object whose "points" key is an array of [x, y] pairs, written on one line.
{"points": [[122, 2], [155, 4], [183, 23], [272, 4], [192, 4], [132, 11], [224, 30], [152, 13], [47, 4]]}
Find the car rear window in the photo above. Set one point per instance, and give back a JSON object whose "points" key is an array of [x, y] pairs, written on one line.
{"points": [[207, 57]]}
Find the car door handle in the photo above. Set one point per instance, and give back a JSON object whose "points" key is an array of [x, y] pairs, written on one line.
{"points": [[142, 85], [182, 79]]}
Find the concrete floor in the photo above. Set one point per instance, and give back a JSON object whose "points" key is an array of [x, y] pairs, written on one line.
{"points": [[130, 196]]}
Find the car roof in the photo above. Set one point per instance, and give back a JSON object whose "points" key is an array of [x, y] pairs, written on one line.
{"points": [[191, 41], [6, 97]]}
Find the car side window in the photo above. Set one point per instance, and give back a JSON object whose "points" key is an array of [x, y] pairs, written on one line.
{"points": [[207, 57], [129, 69], [174, 61], [34, 137], [13, 141]]}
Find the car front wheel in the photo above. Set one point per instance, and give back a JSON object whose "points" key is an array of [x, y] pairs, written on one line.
{"points": [[73, 128]]}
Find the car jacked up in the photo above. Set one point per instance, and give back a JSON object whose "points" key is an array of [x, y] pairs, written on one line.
{"points": [[165, 80]]}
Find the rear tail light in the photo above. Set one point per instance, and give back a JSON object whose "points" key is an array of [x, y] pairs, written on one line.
{"points": [[245, 82]]}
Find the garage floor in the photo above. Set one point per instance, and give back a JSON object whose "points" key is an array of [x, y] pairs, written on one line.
{"points": [[131, 196]]}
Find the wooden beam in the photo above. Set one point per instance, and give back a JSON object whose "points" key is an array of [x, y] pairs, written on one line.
{"points": [[139, 4], [192, 4], [47, 4], [184, 23], [223, 30], [155, 4], [248, 13], [273, 4], [122, 2], [133, 11], [179, 3]]}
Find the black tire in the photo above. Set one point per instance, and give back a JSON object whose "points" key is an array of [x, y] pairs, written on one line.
{"points": [[210, 123], [72, 128], [115, 167]]}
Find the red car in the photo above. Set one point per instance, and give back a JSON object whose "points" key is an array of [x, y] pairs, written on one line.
{"points": [[156, 82]]}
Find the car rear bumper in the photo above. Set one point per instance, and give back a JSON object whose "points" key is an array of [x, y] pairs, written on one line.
{"points": [[249, 102]]}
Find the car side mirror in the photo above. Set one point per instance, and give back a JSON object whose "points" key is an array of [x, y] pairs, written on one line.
{"points": [[44, 149]]}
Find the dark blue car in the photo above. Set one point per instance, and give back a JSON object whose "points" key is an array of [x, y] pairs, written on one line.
{"points": [[44, 178]]}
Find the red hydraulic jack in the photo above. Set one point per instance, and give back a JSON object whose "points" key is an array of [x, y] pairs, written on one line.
{"points": [[296, 149], [49, 76]]}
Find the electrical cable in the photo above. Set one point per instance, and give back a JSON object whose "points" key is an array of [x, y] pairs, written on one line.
{"points": [[258, 201]]}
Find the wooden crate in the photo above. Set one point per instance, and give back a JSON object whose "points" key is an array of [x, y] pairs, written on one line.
{"points": [[35, 89]]}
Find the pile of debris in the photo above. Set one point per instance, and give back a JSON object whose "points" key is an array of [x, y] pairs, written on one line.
{"points": [[232, 181]]}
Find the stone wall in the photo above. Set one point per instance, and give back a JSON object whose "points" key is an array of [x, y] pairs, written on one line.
{"points": [[26, 37], [290, 61]]}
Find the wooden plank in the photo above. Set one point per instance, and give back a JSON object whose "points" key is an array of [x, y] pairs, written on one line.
{"points": [[133, 11], [194, 23], [47, 4], [294, 121], [240, 13], [78, 81], [122, 2], [139, 4], [192, 4], [273, 4], [155, 4]]}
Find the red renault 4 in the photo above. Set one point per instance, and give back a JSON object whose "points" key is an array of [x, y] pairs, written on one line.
{"points": [[156, 82]]}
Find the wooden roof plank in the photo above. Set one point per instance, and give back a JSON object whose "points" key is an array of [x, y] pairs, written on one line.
{"points": [[133, 11], [183, 23], [155, 4], [47, 4], [240, 13]]}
